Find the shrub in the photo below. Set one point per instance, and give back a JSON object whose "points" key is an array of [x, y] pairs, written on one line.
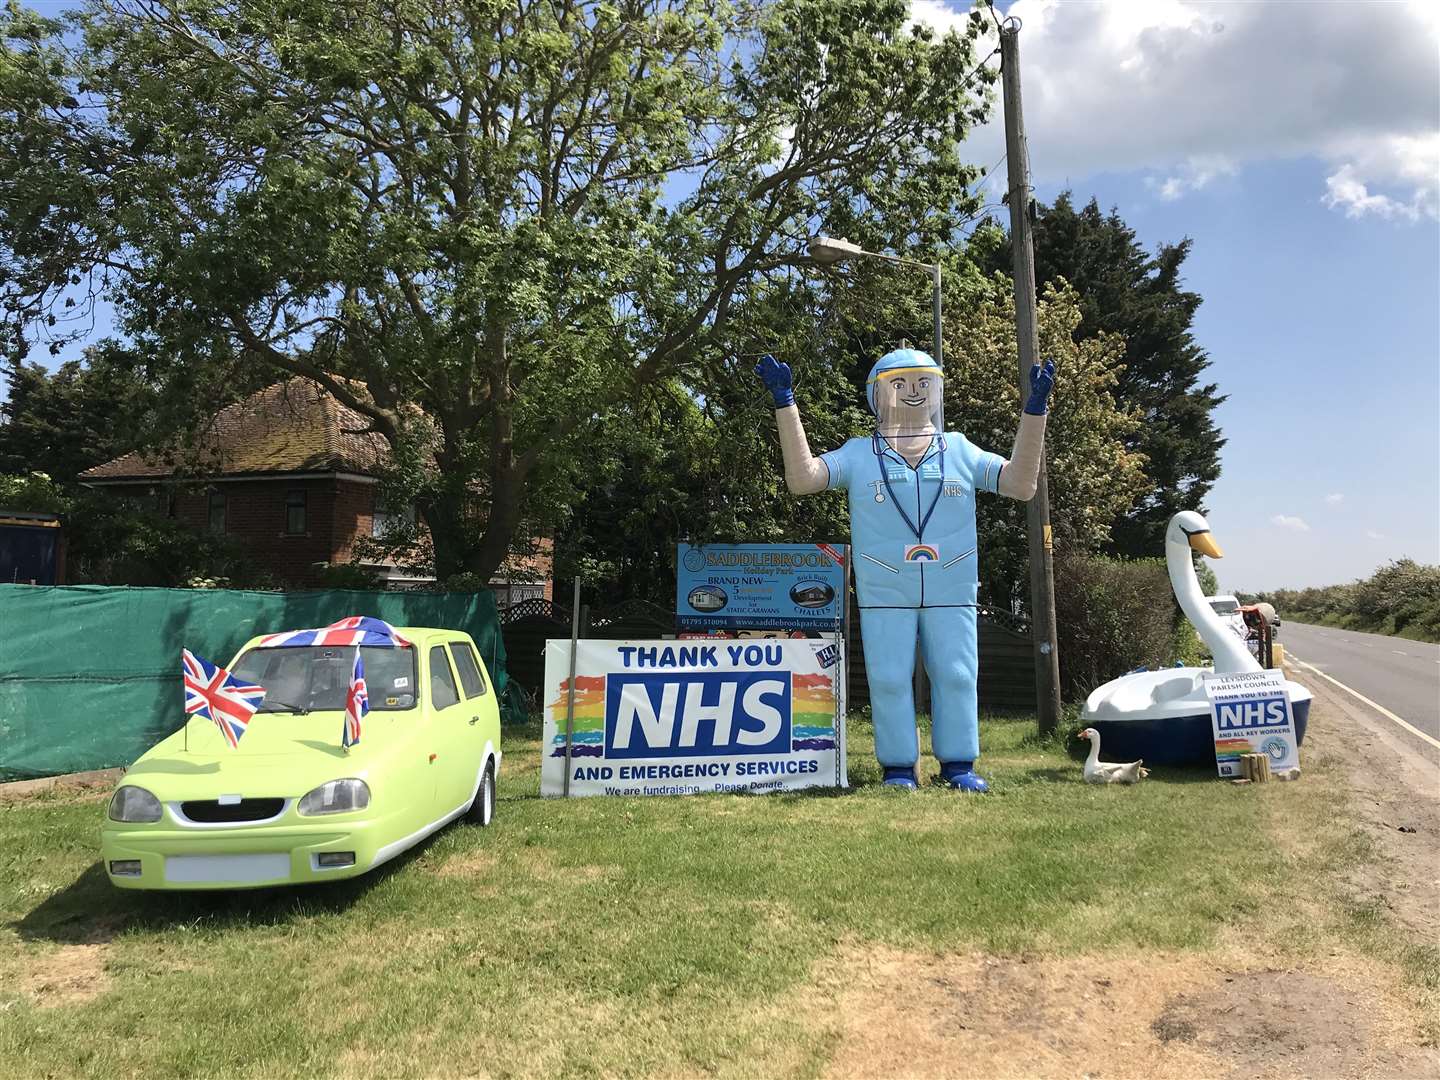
{"points": [[1112, 616], [113, 541], [1402, 597], [349, 576]]}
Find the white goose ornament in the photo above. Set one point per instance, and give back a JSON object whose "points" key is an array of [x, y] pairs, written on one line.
{"points": [[1164, 716], [1107, 772]]}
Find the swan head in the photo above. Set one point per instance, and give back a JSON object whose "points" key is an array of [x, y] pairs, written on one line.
{"points": [[1189, 529], [1088, 734]]}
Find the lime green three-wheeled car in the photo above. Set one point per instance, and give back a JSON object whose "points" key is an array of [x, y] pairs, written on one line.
{"points": [[289, 804]]}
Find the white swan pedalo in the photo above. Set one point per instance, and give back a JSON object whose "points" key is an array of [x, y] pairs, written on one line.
{"points": [[1164, 716]]}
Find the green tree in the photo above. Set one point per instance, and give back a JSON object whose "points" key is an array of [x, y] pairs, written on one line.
{"points": [[1093, 473], [79, 415], [700, 462], [488, 227], [1127, 291], [708, 469], [35, 492], [1209, 583]]}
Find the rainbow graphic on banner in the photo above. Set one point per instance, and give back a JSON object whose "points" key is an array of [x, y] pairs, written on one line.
{"points": [[813, 716], [922, 553]]}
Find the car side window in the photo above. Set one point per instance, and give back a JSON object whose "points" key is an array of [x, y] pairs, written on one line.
{"points": [[442, 684], [470, 677]]}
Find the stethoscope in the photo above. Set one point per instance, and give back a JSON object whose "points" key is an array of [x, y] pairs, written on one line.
{"points": [[876, 444]]}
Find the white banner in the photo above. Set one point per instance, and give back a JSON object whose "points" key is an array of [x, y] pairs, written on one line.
{"points": [[682, 717], [1250, 714]]}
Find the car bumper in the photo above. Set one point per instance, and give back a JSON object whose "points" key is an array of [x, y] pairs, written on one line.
{"points": [[237, 857]]}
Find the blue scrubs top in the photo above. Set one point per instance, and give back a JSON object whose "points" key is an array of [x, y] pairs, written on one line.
{"points": [[913, 529]]}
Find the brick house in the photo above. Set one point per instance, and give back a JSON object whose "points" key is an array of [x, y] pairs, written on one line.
{"points": [[293, 475]]}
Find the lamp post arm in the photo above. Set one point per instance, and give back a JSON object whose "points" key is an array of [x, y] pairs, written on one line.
{"points": [[933, 269], [898, 261]]}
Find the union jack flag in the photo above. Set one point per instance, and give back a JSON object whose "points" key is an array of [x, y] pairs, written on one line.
{"points": [[357, 703], [212, 692], [356, 630]]}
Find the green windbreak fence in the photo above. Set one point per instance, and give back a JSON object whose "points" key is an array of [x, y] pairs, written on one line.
{"points": [[90, 675]]}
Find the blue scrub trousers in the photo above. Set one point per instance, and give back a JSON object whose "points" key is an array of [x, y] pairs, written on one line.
{"points": [[952, 660]]}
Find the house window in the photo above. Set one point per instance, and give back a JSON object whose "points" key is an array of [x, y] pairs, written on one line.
{"points": [[217, 511], [381, 521], [295, 513]]}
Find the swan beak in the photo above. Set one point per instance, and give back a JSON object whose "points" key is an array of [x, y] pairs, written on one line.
{"points": [[1204, 543]]}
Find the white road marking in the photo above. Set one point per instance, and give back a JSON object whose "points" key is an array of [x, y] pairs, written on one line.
{"points": [[1374, 705], [1399, 652]]}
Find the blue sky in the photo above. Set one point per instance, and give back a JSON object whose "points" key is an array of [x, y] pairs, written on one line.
{"points": [[1298, 146]]}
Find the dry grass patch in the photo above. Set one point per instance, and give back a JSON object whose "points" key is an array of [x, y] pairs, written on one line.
{"points": [[68, 975], [543, 865], [908, 1013], [467, 864]]}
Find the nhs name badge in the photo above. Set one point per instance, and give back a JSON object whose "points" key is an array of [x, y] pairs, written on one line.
{"points": [[1250, 714], [697, 714]]}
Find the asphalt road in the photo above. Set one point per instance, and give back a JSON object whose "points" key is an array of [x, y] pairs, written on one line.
{"points": [[1402, 675]]}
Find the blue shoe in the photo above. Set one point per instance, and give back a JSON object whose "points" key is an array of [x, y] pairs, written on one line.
{"points": [[961, 775], [901, 776]]}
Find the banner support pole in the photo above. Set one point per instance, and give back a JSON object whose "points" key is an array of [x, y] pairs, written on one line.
{"points": [[570, 694]]}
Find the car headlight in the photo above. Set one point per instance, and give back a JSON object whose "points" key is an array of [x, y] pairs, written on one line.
{"points": [[336, 797], [134, 805]]}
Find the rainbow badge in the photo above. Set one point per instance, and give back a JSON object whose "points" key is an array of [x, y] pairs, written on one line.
{"points": [[921, 553]]}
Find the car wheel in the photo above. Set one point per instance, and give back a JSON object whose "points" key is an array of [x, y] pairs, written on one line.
{"points": [[482, 810]]}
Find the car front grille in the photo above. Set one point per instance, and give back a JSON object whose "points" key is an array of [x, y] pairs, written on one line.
{"points": [[211, 812]]}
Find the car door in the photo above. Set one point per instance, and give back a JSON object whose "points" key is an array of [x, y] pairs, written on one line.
{"points": [[452, 789], [479, 703]]}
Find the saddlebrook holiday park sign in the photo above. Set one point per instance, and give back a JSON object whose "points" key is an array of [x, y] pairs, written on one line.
{"points": [[760, 586], [682, 717]]}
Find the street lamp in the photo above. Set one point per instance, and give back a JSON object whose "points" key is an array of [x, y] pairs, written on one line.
{"points": [[828, 250]]}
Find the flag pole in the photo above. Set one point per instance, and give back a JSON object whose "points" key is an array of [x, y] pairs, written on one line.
{"points": [[184, 694]]}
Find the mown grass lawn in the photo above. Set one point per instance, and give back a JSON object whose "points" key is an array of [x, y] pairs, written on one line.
{"points": [[631, 936]]}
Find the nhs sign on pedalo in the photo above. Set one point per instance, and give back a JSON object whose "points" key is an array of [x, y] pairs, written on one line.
{"points": [[685, 717], [1250, 713]]}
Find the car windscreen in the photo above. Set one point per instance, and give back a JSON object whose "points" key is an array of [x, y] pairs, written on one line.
{"points": [[1225, 607], [310, 678]]}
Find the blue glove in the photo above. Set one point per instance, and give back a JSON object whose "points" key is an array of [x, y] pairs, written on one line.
{"points": [[1042, 381], [776, 377]]}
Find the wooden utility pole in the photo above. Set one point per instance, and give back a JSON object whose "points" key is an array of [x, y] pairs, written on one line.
{"points": [[1037, 512]]}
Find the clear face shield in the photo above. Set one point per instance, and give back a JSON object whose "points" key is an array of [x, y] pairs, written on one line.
{"points": [[908, 401]]}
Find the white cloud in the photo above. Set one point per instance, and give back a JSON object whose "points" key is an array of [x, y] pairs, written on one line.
{"points": [[1193, 174], [1190, 91], [1295, 524], [1407, 163], [1373, 535], [1334, 500]]}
